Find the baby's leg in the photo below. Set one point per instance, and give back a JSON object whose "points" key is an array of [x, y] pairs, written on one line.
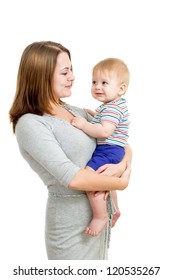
{"points": [[118, 213], [99, 207], [100, 216]]}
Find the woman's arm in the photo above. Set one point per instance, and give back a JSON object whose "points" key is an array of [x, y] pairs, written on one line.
{"points": [[88, 180]]}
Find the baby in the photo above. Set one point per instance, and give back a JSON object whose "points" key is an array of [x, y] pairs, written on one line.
{"points": [[110, 125]]}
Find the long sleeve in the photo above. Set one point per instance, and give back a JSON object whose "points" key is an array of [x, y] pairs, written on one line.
{"points": [[37, 141]]}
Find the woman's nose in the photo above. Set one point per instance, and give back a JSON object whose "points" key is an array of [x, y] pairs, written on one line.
{"points": [[71, 77]]}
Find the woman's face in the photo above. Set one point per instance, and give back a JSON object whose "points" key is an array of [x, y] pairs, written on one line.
{"points": [[63, 76]]}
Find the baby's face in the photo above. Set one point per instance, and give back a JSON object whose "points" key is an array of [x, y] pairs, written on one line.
{"points": [[105, 86]]}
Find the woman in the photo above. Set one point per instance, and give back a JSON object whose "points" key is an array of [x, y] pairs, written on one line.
{"points": [[58, 152]]}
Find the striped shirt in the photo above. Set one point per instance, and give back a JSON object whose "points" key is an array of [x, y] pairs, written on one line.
{"points": [[114, 112]]}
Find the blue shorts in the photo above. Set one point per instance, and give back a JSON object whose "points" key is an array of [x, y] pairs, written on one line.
{"points": [[104, 154]]}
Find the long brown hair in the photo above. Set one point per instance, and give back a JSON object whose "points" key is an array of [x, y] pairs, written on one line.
{"points": [[34, 91]]}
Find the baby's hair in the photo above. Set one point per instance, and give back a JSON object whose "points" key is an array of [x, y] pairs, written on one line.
{"points": [[116, 66]]}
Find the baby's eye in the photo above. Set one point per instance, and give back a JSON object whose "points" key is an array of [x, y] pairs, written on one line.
{"points": [[104, 83], [94, 82]]}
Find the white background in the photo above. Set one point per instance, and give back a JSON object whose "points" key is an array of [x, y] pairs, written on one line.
{"points": [[140, 33]]}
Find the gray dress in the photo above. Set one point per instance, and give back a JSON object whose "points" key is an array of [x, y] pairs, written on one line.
{"points": [[56, 150]]}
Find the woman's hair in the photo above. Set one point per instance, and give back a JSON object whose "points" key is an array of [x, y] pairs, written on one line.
{"points": [[34, 90], [114, 65]]}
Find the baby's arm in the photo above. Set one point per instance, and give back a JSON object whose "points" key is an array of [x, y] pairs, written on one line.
{"points": [[97, 130]]}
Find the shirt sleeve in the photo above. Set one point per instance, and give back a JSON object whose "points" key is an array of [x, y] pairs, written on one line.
{"points": [[38, 141]]}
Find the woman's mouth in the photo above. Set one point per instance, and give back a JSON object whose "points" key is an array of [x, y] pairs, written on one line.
{"points": [[69, 86]]}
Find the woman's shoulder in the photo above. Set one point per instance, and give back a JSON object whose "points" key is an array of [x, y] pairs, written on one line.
{"points": [[31, 127], [30, 122], [29, 118]]}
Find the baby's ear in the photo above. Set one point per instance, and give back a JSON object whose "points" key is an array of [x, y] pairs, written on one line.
{"points": [[122, 90]]}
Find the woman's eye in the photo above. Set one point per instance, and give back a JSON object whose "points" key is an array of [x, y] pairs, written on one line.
{"points": [[67, 72]]}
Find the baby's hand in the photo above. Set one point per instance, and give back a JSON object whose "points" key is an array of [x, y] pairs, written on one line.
{"points": [[78, 122]]}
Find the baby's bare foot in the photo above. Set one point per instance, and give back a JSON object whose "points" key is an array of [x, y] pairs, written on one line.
{"points": [[96, 226], [115, 217]]}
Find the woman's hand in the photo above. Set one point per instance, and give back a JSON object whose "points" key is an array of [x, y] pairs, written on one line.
{"points": [[112, 169]]}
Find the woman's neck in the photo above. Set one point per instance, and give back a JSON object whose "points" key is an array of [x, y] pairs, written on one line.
{"points": [[59, 111]]}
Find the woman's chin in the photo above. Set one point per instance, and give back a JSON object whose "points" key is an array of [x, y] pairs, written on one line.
{"points": [[68, 93]]}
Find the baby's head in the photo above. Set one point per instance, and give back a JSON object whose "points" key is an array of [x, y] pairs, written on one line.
{"points": [[111, 77]]}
